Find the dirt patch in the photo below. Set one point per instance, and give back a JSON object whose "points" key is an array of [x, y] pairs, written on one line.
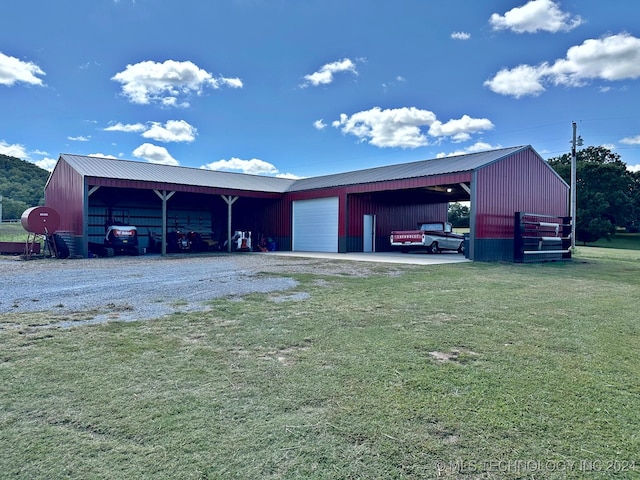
{"points": [[458, 356]]}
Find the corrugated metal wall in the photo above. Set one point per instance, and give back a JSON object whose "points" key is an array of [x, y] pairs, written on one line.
{"points": [[276, 218], [522, 182], [388, 218], [65, 194]]}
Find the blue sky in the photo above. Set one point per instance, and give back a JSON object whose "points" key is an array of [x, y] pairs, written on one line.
{"points": [[310, 87]]}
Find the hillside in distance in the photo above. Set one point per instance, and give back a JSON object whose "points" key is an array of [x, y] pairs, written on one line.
{"points": [[21, 186]]}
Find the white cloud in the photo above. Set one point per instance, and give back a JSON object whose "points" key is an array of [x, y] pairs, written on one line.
{"points": [[460, 36], [102, 155], [402, 127], [476, 147], [460, 130], [150, 82], [253, 166], [79, 138], [535, 15], [631, 140], [14, 70], [19, 151], [399, 127], [633, 168], [172, 131], [290, 176], [616, 57], [131, 127], [154, 154], [326, 73], [519, 81], [46, 163], [231, 82], [15, 150], [612, 58], [319, 124]]}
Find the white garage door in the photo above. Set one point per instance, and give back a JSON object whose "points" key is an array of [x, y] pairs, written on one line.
{"points": [[315, 225]]}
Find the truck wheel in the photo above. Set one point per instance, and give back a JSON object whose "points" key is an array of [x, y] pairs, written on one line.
{"points": [[461, 248], [433, 248]]}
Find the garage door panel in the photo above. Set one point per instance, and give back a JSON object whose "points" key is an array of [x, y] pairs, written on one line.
{"points": [[315, 225]]}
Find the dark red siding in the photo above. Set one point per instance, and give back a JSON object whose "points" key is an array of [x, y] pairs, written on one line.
{"points": [[522, 182], [388, 218], [65, 194], [408, 183]]}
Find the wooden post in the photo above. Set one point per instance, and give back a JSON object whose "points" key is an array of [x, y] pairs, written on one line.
{"points": [[164, 196], [229, 201]]}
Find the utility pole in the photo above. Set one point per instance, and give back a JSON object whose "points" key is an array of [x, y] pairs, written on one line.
{"points": [[574, 142]]}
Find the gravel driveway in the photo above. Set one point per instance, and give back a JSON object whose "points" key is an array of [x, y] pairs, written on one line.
{"points": [[146, 287]]}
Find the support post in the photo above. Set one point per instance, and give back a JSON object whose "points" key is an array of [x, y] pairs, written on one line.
{"points": [[229, 201], [575, 141], [573, 188], [164, 196]]}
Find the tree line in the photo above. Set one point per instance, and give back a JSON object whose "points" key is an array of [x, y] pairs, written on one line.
{"points": [[607, 193], [21, 186]]}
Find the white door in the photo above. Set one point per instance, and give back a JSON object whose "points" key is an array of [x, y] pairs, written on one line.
{"points": [[315, 225], [369, 233]]}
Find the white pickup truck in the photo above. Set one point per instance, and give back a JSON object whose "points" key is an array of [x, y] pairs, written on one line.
{"points": [[432, 236]]}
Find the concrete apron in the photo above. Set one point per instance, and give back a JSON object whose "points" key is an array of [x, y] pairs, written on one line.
{"points": [[417, 258]]}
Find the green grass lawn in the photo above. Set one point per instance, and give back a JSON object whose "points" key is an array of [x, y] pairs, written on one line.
{"points": [[620, 240], [12, 232], [468, 371]]}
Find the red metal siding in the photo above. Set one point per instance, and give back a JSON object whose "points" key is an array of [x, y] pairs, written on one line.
{"points": [[65, 194], [416, 182], [388, 218], [277, 218], [391, 217], [522, 182]]}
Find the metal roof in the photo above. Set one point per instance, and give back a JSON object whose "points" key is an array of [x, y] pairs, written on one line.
{"points": [[150, 172], [423, 168]]}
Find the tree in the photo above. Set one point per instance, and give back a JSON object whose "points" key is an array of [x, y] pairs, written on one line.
{"points": [[21, 185], [607, 193], [459, 215], [12, 209]]}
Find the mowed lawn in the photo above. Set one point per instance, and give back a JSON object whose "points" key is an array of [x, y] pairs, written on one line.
{"points": [[453, 371]]}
